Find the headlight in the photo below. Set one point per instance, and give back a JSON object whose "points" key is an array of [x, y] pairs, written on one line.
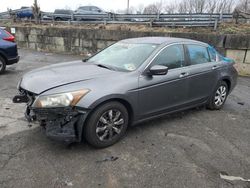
{"points": [[60, 100]]}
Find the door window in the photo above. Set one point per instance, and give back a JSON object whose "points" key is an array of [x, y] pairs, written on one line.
{"points": [[95, 9], [212, 53], [85, 8], [171, 57], [197, 54]]}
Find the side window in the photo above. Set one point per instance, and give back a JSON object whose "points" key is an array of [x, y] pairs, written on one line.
{"points": [[197, 54], [85, 8], [212, 53], [172, 57], [94, 9]]}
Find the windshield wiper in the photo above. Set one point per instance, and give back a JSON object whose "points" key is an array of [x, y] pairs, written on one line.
{"points": [[106, 66]]}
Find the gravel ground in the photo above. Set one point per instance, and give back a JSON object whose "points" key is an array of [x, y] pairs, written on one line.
{"points": [[196, 148]]}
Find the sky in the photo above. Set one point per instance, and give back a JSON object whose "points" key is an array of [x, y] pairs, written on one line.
{"points": [[51, 5]]}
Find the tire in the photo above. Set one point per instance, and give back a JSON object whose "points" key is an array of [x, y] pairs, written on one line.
{"points": [[219, 96], [98, 128], [2, 65], [58, 19]]}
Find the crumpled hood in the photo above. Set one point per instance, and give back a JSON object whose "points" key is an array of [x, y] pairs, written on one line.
{"points": [[40, 80]]}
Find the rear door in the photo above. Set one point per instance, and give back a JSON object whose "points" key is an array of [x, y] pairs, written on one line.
{"points": [[202, 73]]}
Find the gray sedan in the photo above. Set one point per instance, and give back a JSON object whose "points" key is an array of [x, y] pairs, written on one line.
{"points": [[129, 82]]}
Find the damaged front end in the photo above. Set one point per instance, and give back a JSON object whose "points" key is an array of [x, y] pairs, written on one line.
{"points": [[60, 123]]}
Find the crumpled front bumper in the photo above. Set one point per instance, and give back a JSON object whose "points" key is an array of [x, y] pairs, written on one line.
{"points": [[61, 124]]}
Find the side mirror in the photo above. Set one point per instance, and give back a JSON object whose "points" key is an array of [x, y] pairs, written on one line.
{"points": [[87, 57], [158, 70]]}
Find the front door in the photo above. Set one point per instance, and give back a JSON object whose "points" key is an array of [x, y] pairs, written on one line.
{"points": [[161, 93]]}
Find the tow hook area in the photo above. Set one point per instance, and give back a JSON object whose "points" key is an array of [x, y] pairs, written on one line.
{"points": [[20, 99], [61, 124], [66, 132]]}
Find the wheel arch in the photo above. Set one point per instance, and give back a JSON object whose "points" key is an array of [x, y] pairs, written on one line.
{"points": [[3, 56], [121, 100], [228, 82]]}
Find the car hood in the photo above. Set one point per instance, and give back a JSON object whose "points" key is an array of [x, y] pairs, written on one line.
{"points": [[43, 79]]}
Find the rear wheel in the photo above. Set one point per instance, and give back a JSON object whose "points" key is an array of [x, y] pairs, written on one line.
{"points": [[58, 19], [106, 125], [219, 96], [2, 65]]}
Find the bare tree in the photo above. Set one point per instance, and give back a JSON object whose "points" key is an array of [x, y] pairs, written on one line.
{"points": [[198, 6], [140, 8], [220, 6], [155, 8], [230, 6], [183, 7], [244, 5], [211, 6], [36, 11], [171, 8], [132, 10], [150, 9], [12, 14]]}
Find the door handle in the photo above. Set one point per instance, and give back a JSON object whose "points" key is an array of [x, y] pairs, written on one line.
{"points": [[214, 67], [183, 74]]}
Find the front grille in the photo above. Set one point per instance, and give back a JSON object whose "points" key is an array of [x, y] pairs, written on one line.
{"points": [[62, 114]]}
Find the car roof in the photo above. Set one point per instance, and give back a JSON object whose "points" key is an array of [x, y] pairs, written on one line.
{"points": [[63, 10], [160, 40]]}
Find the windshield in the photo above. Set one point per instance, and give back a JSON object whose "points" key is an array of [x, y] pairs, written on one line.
{"points": [[124, 56]]}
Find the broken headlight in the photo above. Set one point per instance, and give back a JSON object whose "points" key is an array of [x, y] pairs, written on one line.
{"points": [[60, 100]]}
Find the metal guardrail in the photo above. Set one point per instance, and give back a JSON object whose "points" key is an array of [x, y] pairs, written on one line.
{"points": [[113, 17], [172, 20]]}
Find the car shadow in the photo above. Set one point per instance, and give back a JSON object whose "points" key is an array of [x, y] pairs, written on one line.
{"points": [[134, 131], [36, 138], [168, 117], [10, 71]]}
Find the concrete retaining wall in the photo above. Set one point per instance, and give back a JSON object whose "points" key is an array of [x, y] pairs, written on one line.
{"points": [[84, 41]]}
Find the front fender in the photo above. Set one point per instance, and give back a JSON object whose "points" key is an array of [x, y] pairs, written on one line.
{"points": [[108, 98], [87, 104]]}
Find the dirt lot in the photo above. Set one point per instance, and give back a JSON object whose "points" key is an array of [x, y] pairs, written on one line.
{"points": [[195, 148]]}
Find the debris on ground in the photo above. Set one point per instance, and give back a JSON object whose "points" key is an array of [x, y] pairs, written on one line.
{"points": [[241, 103], [68, 183], [110, 158], [233, 178]]}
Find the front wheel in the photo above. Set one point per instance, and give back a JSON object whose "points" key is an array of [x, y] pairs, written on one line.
{"points": [[219, 96], [106, 125]]}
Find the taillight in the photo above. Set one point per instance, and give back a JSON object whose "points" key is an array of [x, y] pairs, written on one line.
{"points": [[9, 37]]}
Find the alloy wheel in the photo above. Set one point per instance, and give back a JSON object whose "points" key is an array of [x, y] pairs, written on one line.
{"points": [[220, 95], [110, 125]]}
